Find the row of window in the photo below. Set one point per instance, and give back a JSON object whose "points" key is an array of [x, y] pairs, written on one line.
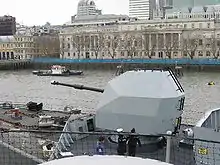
{"points": [[24, 39], [161, 54]]}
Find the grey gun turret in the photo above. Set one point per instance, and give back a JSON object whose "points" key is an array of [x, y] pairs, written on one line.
{"points": [[78, 86]]}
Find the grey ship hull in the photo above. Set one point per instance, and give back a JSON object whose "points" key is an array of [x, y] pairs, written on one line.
{"points": [[12, 156]]}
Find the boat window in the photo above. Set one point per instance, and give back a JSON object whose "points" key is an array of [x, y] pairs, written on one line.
{"points": [[80, 129], [90, 125]]}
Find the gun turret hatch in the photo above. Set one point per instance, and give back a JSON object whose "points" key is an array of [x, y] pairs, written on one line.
{"points": [[78, 86]]}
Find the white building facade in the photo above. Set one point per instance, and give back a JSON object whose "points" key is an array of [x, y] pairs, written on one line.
{"points": [[142, 9], [143, 39], [180, 35]]}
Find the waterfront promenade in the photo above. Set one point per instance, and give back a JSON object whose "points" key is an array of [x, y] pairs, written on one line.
{"points": [[181, 61], [186, 63]]}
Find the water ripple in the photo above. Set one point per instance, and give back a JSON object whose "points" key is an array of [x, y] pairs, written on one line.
{"points": [[23, 87]]}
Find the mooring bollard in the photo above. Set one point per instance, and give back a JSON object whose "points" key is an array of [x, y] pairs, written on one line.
{"points": [[168, 148]]}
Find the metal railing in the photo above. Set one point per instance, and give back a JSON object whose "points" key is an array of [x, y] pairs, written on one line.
{"points": [[34, 147]]}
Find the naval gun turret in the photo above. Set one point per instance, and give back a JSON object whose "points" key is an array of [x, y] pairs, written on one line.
{"points": [[151, 101], [77, 86]]}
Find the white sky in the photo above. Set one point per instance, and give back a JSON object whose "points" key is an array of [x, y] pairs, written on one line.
{"points": [[38, 12]]}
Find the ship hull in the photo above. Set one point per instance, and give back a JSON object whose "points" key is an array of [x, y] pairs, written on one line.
{"points": [[70, 73]]}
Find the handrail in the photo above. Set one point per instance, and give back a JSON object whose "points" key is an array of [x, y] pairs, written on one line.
{"points": [[176, 81]]}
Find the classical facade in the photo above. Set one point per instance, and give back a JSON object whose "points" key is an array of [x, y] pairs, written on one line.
{"points": [[30, 46], [6, 47], [168, 38]]}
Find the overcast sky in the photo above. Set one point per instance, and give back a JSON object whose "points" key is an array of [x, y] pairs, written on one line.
{"points": [[38, 12]]}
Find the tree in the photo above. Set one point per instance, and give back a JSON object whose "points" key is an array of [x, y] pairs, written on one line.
{"points": [[99, 44], [132, 42], [214, 43], [147, 48], [112, 43], [190, 44], [77, 43], [170, 44], [48, 45]]}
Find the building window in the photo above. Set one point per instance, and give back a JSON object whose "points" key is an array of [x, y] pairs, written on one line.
{"points": [[208, 53], [193, 25], [200, 53], [160, 54], [185, 25], [200, 42], [208, 25], [68, 54]]}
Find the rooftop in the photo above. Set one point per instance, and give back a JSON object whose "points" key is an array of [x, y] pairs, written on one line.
{"points": [[6, 39], [90, 18], [196, 9]]}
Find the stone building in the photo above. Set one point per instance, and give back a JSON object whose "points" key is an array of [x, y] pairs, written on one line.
{"points": [[6, 47], [194, 34], [168, 38], [30, 46]]}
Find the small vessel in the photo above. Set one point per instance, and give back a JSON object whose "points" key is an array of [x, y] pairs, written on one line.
{"points": [[58, 70]]}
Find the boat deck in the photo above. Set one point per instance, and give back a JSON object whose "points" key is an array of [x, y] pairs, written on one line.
{"points": [[29, 118]]}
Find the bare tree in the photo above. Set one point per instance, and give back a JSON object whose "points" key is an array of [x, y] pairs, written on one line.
{"points": [[99, 44], [112, 44], [190, 44], [48, 45], [147, 48], [169, 45], [78, 43], [132, 42], [214, 45]]}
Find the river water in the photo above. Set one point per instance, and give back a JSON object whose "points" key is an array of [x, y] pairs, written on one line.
{"points": [[23, 86]]}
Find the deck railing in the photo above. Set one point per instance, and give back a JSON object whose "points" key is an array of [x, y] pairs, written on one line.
{"points": [[29, 147]]}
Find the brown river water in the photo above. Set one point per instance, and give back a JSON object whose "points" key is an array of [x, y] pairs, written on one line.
{"points": [[23, 86]]}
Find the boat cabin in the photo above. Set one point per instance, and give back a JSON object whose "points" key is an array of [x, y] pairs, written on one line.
{"points": [[45, 121], [57, 69]]}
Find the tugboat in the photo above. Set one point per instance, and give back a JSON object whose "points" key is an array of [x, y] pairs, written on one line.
{"points": [[58, 70]]}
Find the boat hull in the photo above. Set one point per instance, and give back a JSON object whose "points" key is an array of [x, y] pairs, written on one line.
{"points": [[71, 73]]}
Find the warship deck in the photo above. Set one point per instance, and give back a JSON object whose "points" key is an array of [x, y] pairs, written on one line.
{"points": [[179, 155], [29, 119]]}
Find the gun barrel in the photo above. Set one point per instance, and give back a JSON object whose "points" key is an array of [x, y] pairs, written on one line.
{"points": [[78, 86]]}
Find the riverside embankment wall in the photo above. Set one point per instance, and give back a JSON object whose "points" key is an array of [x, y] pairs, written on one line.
{"points": [[15, 64], [111, 64]]}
